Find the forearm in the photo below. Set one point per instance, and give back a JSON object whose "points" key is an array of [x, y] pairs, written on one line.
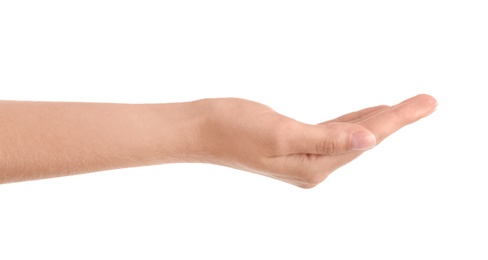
{"points": [[50, 139]]}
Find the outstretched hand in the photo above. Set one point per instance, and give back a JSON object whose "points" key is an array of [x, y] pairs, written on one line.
{"points": [[52, 139], [250, 136]]}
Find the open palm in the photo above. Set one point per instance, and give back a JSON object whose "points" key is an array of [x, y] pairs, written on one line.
{"points": [[250, 136]]}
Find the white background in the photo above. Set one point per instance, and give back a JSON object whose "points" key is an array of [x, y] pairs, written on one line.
{"points": [[421, 194]]}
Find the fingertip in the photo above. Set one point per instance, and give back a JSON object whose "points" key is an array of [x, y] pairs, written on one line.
{"points": [[427, 99], [427, 104], [415, 108], [424, 99], [362, 141]]}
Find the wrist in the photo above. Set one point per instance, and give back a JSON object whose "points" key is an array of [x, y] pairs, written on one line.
{"points": [[178, 131]]}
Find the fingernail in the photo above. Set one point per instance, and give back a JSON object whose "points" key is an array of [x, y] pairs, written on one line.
{"points": [[362, 141]]}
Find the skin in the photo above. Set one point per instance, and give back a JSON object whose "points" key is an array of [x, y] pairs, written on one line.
{"points": [[51, 139]]}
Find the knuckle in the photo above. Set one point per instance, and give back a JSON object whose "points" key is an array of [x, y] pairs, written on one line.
{"points": [[306, 185], [327, 146], [310, 179]]}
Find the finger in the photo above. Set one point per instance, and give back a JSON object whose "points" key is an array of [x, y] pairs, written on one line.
{"points": [[381, 124], [370, 114], [330, 139], [387, 122], [357, 115], [364, 113], [392, 119]]}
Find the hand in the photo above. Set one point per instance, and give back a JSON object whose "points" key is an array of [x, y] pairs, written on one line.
{"points": [[252, 137]]}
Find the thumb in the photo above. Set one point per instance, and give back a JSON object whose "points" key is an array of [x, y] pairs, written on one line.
{"points": [[333, 139]]}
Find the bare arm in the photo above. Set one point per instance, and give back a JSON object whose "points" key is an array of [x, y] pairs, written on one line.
{"points": [[49, 139]]}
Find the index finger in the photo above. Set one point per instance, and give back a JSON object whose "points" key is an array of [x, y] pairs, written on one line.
{"points": [[392, 119], [357, 115]]}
